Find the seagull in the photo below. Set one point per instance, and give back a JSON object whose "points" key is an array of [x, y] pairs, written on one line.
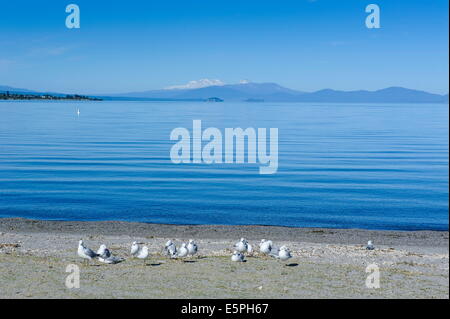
{"points": [[237, 256], [274, 252], [134, 249], [249, 249], [192, 247], [170, 249], [183, 251], [265, 246], [168, 244], [143, 253], [111, 260], [241, 246], [103, 252], [284, 253], [105, 256], [84, 252], [370, 246]]}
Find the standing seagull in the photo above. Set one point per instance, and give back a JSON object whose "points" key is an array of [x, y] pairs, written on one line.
{"points": [[170, 249], [84, 252], [143, 254], [284, 253], [183, 251], [370, 246], [134, 249], [249, 249], [192, 247], [241, 246], [103, 252], [168, 244], [265, 246], [105, 256]]}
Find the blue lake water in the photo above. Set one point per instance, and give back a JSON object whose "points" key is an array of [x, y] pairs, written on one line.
{"points": [[340, 165]]}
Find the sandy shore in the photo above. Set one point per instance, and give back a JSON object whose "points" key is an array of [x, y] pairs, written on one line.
{"points": [[327, 263]]}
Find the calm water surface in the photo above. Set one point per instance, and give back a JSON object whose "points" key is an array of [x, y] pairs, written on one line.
{"points": [[345, 166]]}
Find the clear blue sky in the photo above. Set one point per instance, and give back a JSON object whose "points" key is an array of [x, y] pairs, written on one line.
{"points": [[308, 45]]}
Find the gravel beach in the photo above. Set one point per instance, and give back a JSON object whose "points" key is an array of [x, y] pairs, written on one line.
{"points": [[326, 263]]}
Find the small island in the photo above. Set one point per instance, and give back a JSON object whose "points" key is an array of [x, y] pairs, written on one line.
{"points": [[29, 96], [213, 99], [254, 100]]}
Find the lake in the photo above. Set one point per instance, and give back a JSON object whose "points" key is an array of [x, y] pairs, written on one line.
{"points": [[372, 166]]}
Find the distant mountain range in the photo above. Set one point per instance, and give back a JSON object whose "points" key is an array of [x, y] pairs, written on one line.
{"points": [[270, 92], [4, 88]]}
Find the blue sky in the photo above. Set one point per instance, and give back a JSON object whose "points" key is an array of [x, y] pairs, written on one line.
{"points": [[307, 45]]}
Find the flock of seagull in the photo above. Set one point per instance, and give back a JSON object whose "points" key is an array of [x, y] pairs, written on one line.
{"points": [[104, 255], [266, 247], [241, 248]]}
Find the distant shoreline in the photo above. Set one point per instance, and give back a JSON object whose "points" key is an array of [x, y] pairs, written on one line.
{"points": [[268, 92], [168, 224], [131, 99], [45, 97]]}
